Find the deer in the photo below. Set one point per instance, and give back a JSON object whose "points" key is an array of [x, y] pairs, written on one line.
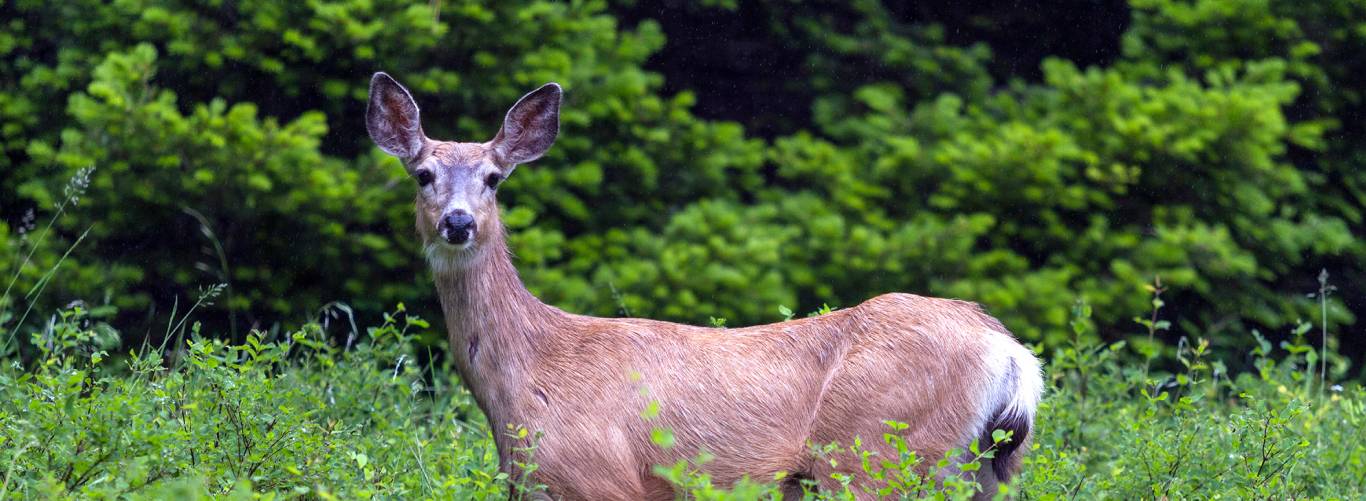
{"points": [[758, 400]]}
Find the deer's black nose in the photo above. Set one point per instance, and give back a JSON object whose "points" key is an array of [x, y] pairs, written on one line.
{"points": [[458, 227]]}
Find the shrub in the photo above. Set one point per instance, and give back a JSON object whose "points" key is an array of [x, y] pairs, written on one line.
{"points": [[299, 414], [228, 149]]}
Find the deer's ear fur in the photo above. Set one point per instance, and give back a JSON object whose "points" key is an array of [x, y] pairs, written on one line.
{"points": [[530, 127], [392, 119]]}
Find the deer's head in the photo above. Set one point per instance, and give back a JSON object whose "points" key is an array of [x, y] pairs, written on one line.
{"points": [[457, 183]]}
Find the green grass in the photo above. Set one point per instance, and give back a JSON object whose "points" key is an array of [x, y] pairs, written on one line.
{"points": [[297, 415]]}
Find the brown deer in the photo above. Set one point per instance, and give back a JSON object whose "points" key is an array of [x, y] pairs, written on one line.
{"points": [[755, 398]]}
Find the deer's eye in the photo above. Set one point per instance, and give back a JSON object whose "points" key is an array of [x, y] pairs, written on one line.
{"points": [[493, 180], [424, 177]]}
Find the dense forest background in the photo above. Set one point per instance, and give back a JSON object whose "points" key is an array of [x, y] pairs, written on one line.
{"points": [[717, 159]]}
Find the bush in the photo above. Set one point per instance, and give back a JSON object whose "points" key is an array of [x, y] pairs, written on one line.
{"points": [[296, 414], [252, 173], [292, 415], [228, 149], [154, 148]]}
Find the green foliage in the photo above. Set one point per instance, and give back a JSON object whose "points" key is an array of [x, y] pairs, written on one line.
{"points": [[1113, 430], [1218, 153], [1217, 159], [294, 414], [239, 176], [209, 183]]}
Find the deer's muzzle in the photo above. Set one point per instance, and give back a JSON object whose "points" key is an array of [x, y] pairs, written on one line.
{"points": [[458, 227]]}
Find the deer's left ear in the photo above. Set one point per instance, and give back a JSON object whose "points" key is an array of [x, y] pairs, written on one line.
{"points": [[530, 127]]}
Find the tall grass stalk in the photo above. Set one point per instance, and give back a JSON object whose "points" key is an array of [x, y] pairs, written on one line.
{"points": [[224, 273], [1322, 295], [329, 311], [177, 329], [1152, 323], [75, 187], [37, 290], [9, 472]]}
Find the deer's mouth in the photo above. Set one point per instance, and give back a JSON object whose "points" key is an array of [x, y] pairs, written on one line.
{"points": [[457, 239], [445, 256]]}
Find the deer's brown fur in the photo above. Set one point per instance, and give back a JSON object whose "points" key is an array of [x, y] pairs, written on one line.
{"points": [[755, 398]]}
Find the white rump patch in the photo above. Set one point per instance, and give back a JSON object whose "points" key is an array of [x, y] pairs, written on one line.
{"points": [[1015, 387]]}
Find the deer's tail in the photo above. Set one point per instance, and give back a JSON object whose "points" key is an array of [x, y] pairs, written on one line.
{"points": [[1020, 387]]}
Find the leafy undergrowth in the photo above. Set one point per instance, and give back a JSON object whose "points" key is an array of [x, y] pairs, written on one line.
{"points": [[296, 415]]}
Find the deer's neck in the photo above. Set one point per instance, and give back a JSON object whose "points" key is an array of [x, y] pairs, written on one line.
{"points": [[494, 323]]}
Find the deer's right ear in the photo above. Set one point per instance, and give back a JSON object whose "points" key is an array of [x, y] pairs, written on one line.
{"points": [[392, 119]]}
